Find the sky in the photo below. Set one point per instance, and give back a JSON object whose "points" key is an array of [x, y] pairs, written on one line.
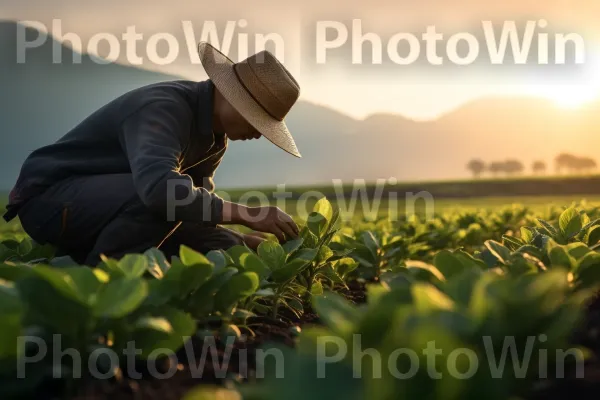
{"points": [[415, 88]]}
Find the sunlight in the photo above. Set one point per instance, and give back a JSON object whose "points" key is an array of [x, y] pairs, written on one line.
{"points": [[574, 96], [582, 89]]}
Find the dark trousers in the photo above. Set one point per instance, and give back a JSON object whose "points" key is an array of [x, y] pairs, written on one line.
{"points": [[86, 217]]}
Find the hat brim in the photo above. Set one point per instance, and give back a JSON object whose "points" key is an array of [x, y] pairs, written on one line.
{"points": [[219, 68]]}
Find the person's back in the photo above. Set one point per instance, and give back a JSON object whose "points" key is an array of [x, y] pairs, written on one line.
{"points": [[96, 145]]}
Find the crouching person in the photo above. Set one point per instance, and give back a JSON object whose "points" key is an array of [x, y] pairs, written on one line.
{"points": [[138, 172]]}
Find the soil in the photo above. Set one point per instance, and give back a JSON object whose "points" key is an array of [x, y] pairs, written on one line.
{"points": [[284, 330]]}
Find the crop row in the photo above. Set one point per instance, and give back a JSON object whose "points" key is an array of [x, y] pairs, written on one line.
{"points": [[486, 283]]}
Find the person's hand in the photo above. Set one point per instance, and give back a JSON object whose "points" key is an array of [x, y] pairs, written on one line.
{"points": [[272, 220], [269, 219]]}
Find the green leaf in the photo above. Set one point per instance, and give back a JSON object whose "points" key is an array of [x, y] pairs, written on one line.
{"points": [[371, 243], [182, 280], [423, 272], [202, 300], [577, 250], [11, 316], [345, 266], [292, 245], [53, 305], [587, 271], [460, 287], [308, 255], [559, 257], [337, 313], [157, 263], [323, 207], [191, 257], [11, 244], [272, 254], [316, 289], [309, 239], [9, 298], [531, 250], [237, 252], [111, 266], [7, 253], [13, 273], [182, 328], [120, 297], [324, 254], [25, 247], [87, 282], [217, 258], [593, 236], [317, 224], [252, 263], [511, 242], [498, 250], [482, 303], [133, 265], [448, 264], [427, 298], [238, 288], [570, 222], [546, 226], [289, 271], [527, 234], [61, 281], [156, 324]]}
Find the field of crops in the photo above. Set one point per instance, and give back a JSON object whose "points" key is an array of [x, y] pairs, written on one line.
{"points": [[471, 303]]}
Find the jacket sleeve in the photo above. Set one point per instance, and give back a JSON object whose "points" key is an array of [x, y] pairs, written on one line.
{"points": [[154, 139]]}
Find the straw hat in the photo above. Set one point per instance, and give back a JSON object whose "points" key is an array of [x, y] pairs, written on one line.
{"points": [[259, 87]]}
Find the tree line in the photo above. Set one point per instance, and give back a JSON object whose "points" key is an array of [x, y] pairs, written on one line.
{"points": [[563, 162]]}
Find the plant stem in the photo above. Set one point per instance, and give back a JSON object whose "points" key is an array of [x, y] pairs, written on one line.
{"points": [[276, 307]]}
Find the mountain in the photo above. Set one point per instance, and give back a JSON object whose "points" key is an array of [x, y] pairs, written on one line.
{"points": [[40, 101]]}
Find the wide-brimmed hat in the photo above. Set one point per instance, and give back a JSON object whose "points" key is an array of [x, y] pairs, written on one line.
{"points": [[260, 88]]}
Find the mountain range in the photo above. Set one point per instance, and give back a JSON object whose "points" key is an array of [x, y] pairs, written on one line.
{"points": [[40, 101]]}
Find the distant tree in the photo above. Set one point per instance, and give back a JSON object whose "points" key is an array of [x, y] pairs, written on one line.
{"points": [[586, 164], [476, 167], [565, 161], [574, 164], [496, 167], [513, 167], [538, 167]]}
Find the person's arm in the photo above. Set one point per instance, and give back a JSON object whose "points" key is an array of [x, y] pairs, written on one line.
{"points": [[154, 138]]}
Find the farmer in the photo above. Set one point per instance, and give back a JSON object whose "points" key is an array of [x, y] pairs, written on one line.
{"points": [[138, 172]]}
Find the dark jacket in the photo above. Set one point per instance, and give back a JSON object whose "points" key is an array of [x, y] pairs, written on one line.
{"points": [[161, 133]]}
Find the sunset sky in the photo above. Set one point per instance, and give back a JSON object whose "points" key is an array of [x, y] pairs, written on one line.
{"points": [[417, 91]]}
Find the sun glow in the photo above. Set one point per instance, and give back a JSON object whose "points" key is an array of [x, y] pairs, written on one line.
{"points": [[582, 88]]}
